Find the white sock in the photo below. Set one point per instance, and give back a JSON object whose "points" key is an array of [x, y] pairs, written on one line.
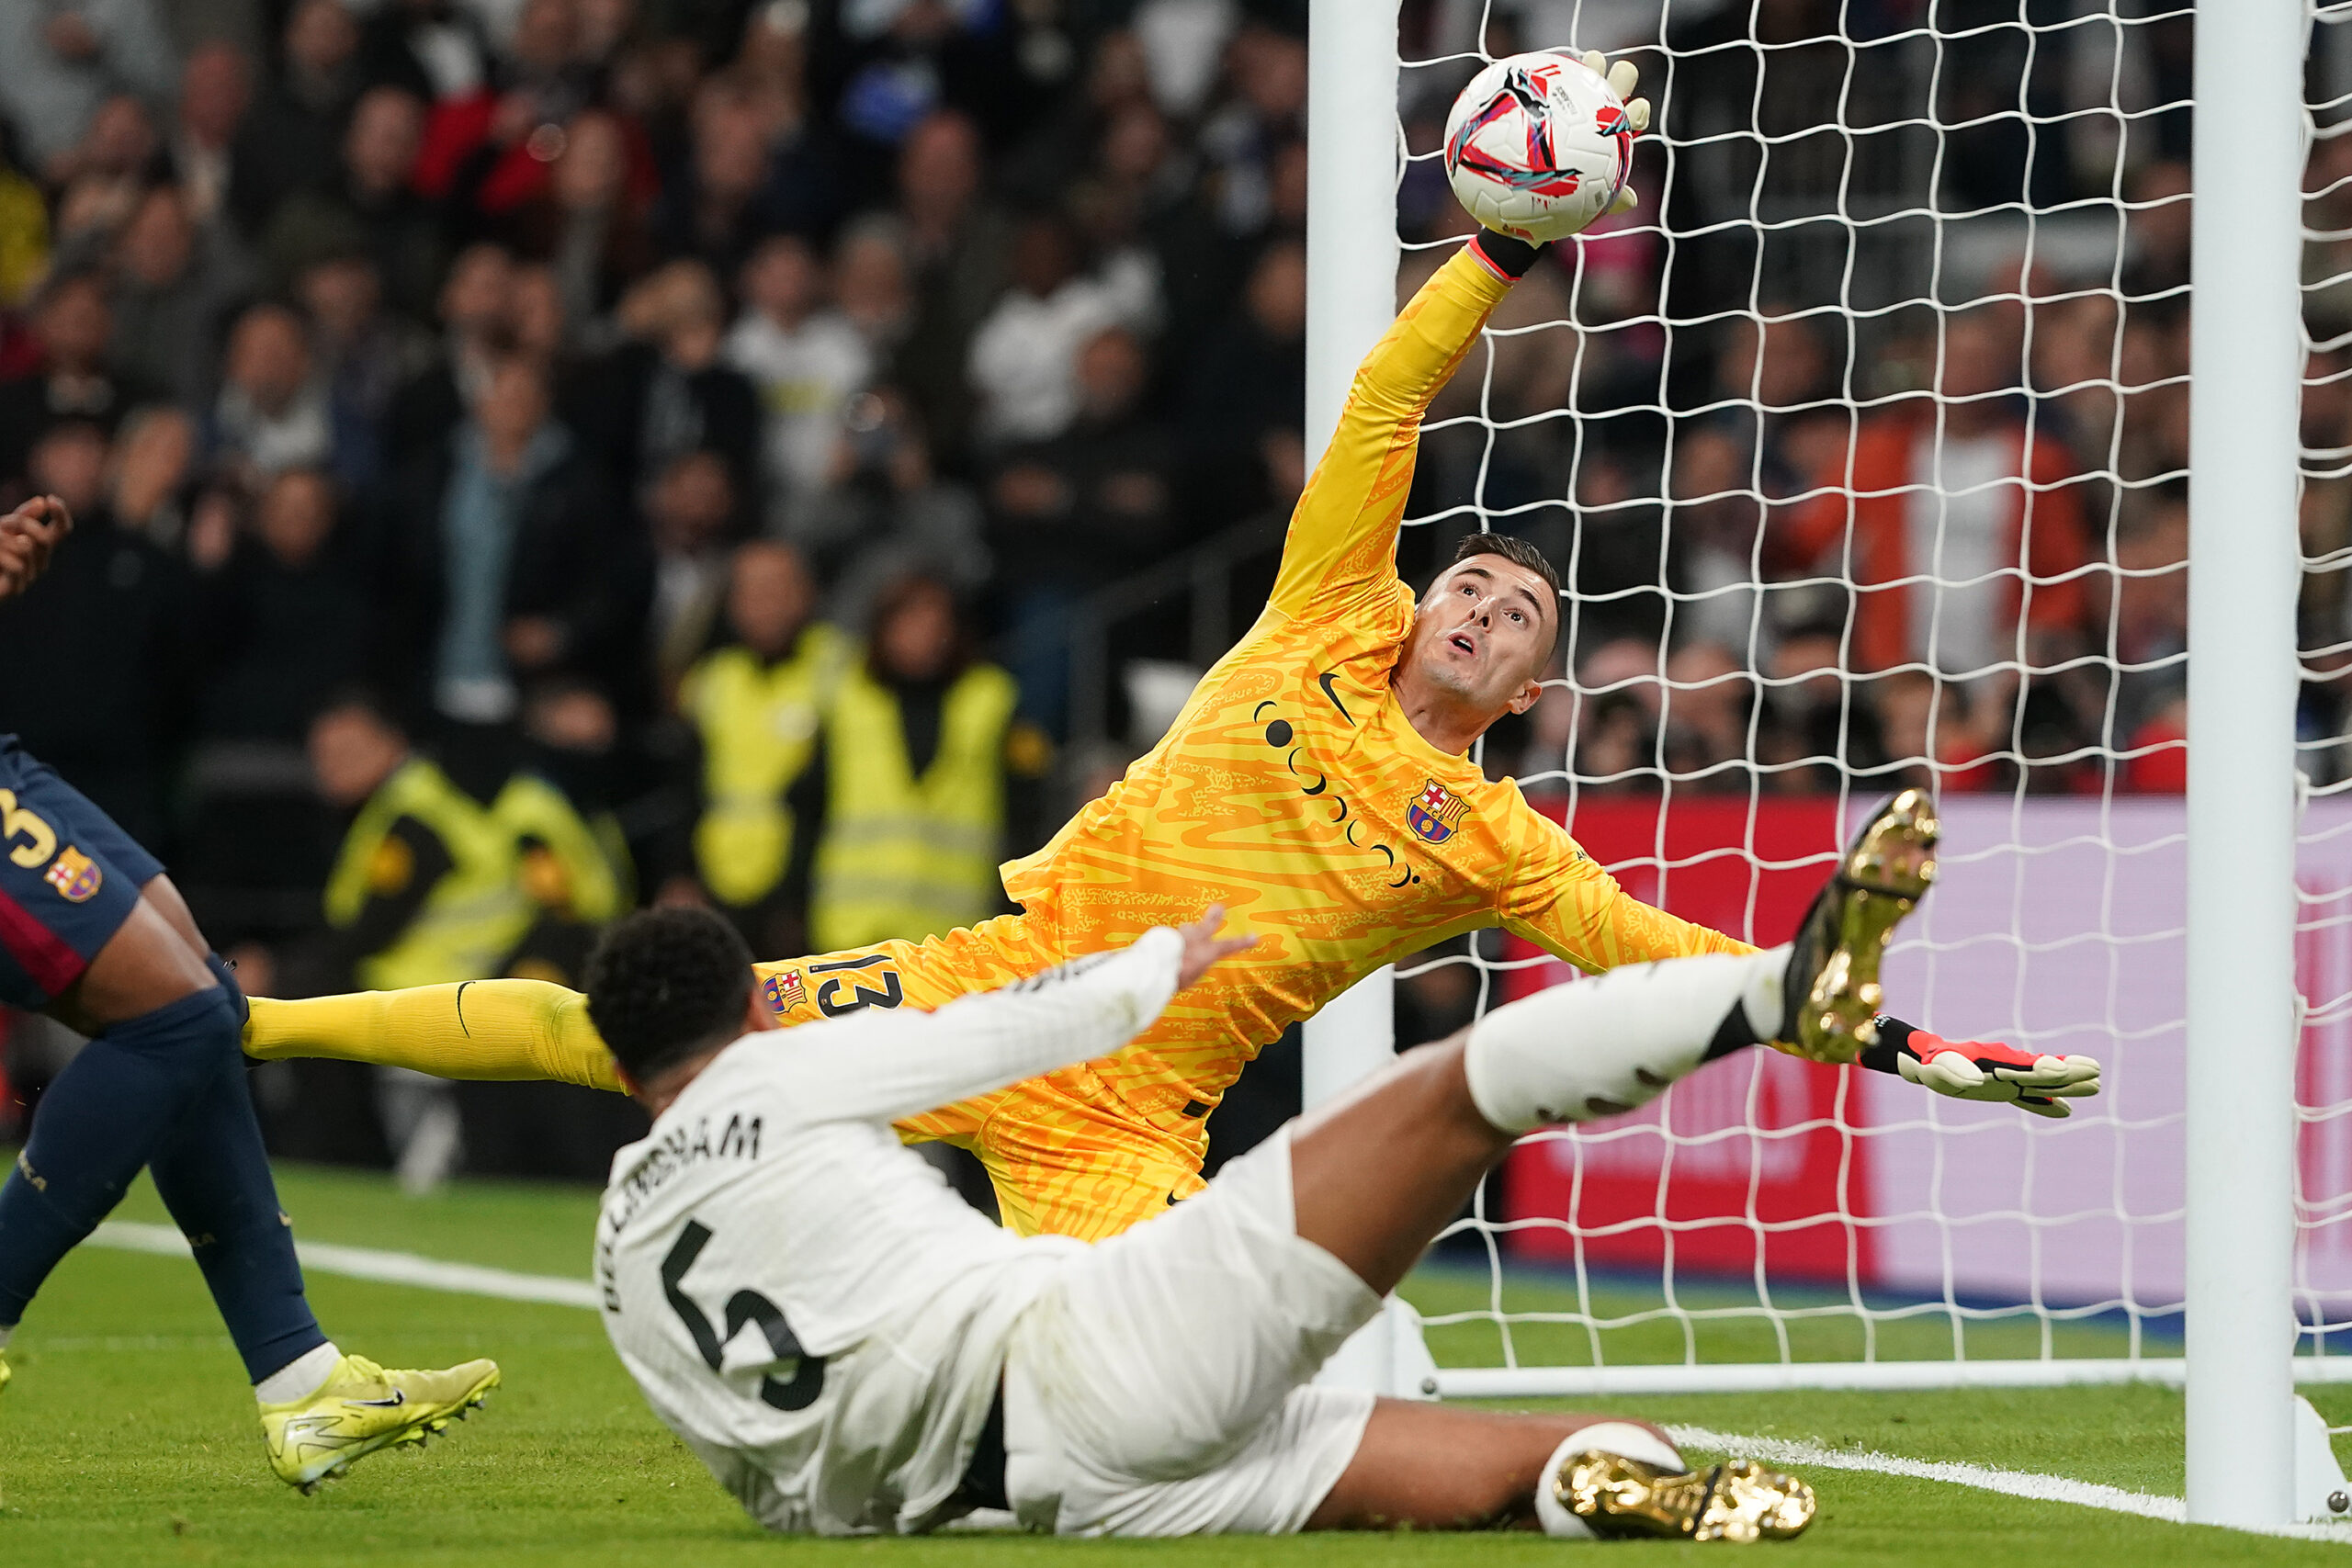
{"points": [[1603, 1046], [1610, 1436], [305, 1374], [7, 1332]]}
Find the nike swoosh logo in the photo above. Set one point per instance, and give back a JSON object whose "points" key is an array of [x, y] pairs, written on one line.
{"points": [[1325, 681], [398, 1399]]}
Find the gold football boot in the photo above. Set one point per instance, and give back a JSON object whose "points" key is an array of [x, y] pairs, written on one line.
{"points": [[1832, 989], [1738, 1501]]}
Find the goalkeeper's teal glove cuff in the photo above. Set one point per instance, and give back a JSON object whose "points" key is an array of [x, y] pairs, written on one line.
{"points": [[1505, 257]]}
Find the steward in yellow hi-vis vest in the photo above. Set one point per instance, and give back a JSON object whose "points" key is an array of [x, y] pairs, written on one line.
{"points": [[760, 721], [1318, 784], [432, 874], [910, 851]]}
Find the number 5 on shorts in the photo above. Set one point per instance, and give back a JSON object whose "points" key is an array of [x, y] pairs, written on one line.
{"points": [[16, 822]]}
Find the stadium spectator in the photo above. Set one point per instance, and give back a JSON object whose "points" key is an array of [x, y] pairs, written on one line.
{"points": [[477, 303], [99, 671], [175, 284], [871, 285], [757, 705], [280, 614], [1024, 353], [510, 558], [1960, 520], [915, 812], [155, 455], [588, 224], [214, 96], [1248, 390], [368, 206], [1070, 515], [887, 511], [960, 243], [292, 138], [270, 416], [804, 358], [67, 59], [720, 205], [664, 393], [691, 509], [428, 48], [489, 150], [357, 354], [74, 333]]}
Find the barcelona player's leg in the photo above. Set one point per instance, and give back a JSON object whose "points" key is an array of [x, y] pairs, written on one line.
{"points": [[93, 934]]}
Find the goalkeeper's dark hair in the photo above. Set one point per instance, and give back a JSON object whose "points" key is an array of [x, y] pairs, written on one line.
{"points": [[668, 985], [1512, 549]]}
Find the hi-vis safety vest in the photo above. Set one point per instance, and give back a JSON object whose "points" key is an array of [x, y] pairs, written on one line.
{"points": [[569, 867], [759, 724], [482, 906], [474, 914], [904, 857]]}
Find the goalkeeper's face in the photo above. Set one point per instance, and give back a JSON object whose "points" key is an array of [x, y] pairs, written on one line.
{"points": [[1482, 636]]}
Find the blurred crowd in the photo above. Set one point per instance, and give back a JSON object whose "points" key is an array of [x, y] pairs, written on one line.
{"points": [[536, 457]]}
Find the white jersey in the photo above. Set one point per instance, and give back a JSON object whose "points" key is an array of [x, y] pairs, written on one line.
{"points": [[803, 1299]]}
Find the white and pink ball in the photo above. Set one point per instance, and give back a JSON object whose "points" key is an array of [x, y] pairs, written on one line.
{"points": [[1538, 145]]}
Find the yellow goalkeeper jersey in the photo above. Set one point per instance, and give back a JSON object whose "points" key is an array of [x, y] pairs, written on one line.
{"points": [[1292, 789]]}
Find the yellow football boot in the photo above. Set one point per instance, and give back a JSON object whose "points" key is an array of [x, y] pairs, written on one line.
{"points": [[1833, 990], [1739, 1501], [361, 1408], [5, 1373]]}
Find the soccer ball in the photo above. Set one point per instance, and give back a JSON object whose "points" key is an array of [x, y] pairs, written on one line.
{"points": [[1538, 145]]}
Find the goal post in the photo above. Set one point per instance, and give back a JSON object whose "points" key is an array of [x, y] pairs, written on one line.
{"points": [[2246, 348], [1351, 247], [1352, 66]]}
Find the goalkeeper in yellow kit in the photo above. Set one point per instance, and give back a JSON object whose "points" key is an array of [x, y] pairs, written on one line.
{"points": [[1317, 784]]}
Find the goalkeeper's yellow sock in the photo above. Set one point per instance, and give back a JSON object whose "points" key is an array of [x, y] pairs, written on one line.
{"points": [[482, 1028]]}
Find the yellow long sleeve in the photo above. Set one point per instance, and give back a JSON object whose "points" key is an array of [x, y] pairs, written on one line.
{"points": [[481, 1029]]}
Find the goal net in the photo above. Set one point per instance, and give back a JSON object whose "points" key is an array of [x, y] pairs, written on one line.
{"points": [[1864, 442]]}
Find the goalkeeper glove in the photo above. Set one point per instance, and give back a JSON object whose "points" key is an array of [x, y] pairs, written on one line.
{"points": [[1622, 78], [1982, 1070]]}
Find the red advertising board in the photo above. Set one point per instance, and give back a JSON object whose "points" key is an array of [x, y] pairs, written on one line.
{"points": [[1755, 1150]]}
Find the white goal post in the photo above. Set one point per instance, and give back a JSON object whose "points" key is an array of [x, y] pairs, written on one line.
{"points": [[2214, 1285]]}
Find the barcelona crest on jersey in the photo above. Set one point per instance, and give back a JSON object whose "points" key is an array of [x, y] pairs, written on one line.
{"points": [[784, 991], [1435, 813], [74, 876]]}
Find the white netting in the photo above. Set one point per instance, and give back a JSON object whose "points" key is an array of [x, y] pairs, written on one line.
{"points": [[2323, 858], [1863, 441]]}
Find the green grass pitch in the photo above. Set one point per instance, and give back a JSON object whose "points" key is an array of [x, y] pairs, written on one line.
{"points": [[128, 1438]]}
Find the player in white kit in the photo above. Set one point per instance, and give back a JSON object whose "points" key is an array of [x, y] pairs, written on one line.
{"points": [[849, 1347]]}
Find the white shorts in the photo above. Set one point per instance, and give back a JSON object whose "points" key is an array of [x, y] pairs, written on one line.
{"points": [[1156, 1386]]}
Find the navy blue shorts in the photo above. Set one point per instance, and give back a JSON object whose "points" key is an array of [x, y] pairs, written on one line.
{"points": [[69, 878]]}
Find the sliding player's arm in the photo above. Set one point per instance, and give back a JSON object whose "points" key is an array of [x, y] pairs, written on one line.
{"points": [[906, 1062], [1342, 542]]}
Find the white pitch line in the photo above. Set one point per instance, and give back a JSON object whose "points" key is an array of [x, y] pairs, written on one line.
{"points": [[370, 1263], [467, 1279], [2008, 1482]]}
